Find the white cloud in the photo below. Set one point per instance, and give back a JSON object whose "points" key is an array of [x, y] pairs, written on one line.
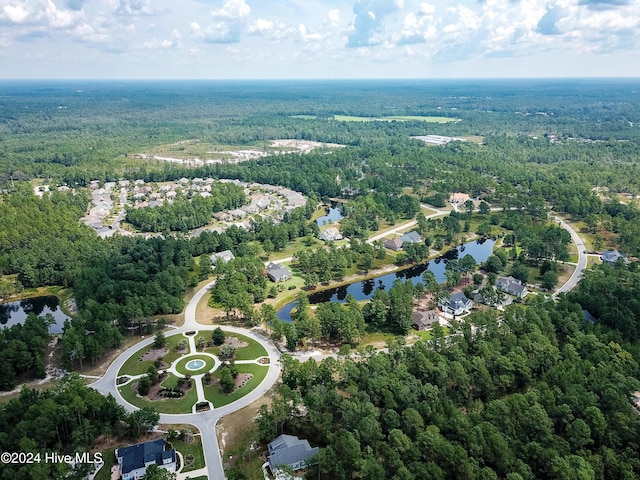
{"points": [[15, 13], [334, 17], [133, 7], [232, 9], [261, 26]]}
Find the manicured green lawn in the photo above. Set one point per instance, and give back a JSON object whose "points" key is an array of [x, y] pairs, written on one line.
{"points": [[213, 393], [194, 449], [181, 366], [252, 351], [135, 366], [169, 405], [108, 456]]}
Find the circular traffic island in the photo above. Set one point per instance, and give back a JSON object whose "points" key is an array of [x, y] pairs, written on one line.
{"points": [[195, 364]]}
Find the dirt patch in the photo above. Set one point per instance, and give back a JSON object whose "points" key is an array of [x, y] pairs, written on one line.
{"points": [[235, 342], [302, 145], [426, 302], [204, 313], [154, 354], [242, 379], [237, 427]]}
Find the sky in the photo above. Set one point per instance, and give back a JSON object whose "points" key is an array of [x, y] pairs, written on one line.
{"points": [[334, 39]]}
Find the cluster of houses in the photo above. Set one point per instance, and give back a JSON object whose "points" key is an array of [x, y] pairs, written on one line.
{"points": [[396, 243], [133, 461], [264, 200], [458, 304]]}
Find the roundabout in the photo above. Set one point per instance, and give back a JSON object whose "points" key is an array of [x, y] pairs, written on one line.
{"points": [[258, 358]]}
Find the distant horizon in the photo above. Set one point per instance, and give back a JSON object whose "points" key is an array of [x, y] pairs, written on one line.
{"points": [[316, 79]]}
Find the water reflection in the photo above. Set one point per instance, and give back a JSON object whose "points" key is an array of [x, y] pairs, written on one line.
{"points": [[14, 313], [333, 215], [362, 290]]}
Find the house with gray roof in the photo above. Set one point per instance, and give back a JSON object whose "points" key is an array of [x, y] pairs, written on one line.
{"points": [[423, 320], [458, 304], [290, 451], [278, 273], [512, 286], [394, 244], [330, 234], [134, 460], [611, 257], [224, 256], [411, 237]]}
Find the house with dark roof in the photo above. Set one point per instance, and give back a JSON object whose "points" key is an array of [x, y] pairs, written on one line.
{"points": [[134, 460], [611, 257], [290, 451], [394, 244], [278, 273], [458, 304], [512, 286], [424, 320], [411, 237], [224, 256]]}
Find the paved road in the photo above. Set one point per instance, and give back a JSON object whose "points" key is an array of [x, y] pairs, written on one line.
{"points": [[582, 259], [205, 421]]}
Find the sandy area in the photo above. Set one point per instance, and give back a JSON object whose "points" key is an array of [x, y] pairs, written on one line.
{"points": [[235, 342], [154, 354]]}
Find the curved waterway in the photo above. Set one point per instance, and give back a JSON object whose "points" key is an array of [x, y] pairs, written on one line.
{"points": [[362, 290]]}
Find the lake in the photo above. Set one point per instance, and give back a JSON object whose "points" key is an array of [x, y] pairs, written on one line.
{"points": [[333, 215], [363, 290], [13, 313]]}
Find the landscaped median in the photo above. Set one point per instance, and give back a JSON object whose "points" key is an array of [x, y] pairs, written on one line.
{"points": [[246, 347], [169, 375], [170, 405], [140, 361], [195, 364], [214, 395]]}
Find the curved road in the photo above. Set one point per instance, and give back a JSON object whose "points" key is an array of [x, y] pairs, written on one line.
{"points": [[582, 259], [204, 421]]}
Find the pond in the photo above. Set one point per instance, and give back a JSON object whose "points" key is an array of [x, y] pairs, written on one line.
{"points": [[13, 313], [333, 215], [479, 250]]}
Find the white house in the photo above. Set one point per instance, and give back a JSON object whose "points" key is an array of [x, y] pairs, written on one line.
{"points": [[330, 234], [458, 304]]}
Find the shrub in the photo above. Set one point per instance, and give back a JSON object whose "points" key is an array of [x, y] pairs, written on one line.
{"points": [[227, 351], [218, 336]]}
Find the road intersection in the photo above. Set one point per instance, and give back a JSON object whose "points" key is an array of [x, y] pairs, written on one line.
{"points": [[206, 421]]}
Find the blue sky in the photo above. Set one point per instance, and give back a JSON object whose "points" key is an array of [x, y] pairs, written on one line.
{"points": [[228, 39]]}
